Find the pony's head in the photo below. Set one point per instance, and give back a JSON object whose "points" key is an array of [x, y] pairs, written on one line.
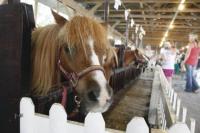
{"points": [[80, 43], [129, 57]]}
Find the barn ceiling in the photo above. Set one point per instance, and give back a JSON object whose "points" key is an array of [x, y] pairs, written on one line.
{"points": [[155, 17]]}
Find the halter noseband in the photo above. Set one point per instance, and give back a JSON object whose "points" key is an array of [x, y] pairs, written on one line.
{"points": [[74, 77]]}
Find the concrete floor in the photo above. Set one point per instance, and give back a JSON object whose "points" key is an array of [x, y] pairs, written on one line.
{"points": [[189, 100]]}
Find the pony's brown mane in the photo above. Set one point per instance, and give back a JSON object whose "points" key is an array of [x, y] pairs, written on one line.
{"points": [[46, 42], [44, 49]]}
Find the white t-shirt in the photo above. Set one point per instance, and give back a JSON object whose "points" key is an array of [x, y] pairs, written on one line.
{"points": [[169, 61]]}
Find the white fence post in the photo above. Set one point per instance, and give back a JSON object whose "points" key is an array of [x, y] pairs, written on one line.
{"points": [[27, 112], [137, 125], [171, 96], [184, 114], [94, 123], [192, 125], [179, 128], [174, 101], [58, 119], [178, 108]]}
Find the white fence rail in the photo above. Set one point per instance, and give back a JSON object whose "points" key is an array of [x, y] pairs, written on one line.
{"points": [[56, 122], [174, 106]]}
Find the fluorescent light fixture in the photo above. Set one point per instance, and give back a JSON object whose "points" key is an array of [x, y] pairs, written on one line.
{"points": [[163, 39], [132, 22], [182, 1], [171, 26], [126, 13], [117, 4], [166, 34], [161, 43], [181, 7]]}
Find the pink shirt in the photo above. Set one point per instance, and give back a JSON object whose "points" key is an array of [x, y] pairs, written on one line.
{"points": [[193, 57]]}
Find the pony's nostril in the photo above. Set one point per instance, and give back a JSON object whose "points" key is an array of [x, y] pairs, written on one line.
{"points": [[92, 95], [109, 100]]}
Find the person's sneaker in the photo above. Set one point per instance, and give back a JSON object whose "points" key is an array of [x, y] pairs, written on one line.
{"points": [[197, 91]]}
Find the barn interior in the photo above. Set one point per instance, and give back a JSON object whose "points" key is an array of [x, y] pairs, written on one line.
{"points": [[140, 89]]}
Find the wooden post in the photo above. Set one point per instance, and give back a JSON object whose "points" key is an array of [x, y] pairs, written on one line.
{"points": [[136, 36], [36, 10], [171, 96], [184, 114], [178, 108], [192, 125], [127, 31], [174, 102], [106, 10]]}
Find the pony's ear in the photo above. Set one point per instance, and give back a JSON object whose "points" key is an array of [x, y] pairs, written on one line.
{"points": [[115, 61], [59, 19]]}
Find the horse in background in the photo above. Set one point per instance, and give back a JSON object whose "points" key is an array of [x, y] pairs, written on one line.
{"points": [[80, 51], [134, 57]]}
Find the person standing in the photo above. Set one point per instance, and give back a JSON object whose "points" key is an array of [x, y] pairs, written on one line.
{"points": [[190, 62], [168, 55]]}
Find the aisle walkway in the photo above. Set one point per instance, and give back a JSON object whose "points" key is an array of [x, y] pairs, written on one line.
{"points": [[189, 100], [129, 102]]}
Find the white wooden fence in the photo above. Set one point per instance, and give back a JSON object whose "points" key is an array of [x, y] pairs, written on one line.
{"points": [[174, 105], [56, 122]]}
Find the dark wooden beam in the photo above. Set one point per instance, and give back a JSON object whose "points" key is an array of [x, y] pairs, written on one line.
{"points": [[144, 1], [164, 26], [154, 16], [167, 10]]}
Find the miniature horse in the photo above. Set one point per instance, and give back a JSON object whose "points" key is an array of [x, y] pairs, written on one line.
{"points": [[77, 47]]}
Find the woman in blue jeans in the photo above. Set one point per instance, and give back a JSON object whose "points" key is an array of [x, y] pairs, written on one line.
{"points": [[190, 61], [191, 83]]}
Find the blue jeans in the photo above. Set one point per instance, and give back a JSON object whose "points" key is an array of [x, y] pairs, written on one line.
{"points": [[191, 83]]}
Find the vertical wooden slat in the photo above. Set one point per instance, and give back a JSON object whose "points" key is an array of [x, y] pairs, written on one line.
{"points": [[106, 10], [58, 118], [137, 125], [184, 114], [192, 125], [27, 111], [94, 123], [127, 31], [178, 108]]}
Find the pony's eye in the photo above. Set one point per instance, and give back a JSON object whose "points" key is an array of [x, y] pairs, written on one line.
{"points": [[67, 50], [70, 51]]}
